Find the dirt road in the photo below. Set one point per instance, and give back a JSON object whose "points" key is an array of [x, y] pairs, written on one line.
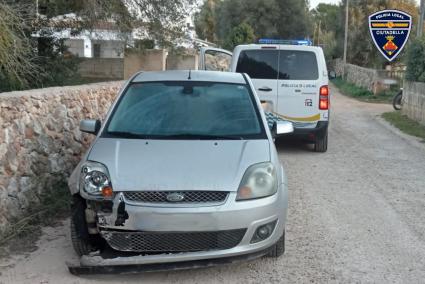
{"points": [[356, 215]]}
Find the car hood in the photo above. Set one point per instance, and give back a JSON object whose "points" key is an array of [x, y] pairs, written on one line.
{"points": [[164, 165]]}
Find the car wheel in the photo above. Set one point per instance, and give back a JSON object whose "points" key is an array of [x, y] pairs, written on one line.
{"points": [[278, 249], [82, 242], [81, 245], [321, 144]]}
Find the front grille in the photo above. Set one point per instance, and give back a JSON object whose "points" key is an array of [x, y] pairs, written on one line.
{"points": [[188, 196], [172, 241]]}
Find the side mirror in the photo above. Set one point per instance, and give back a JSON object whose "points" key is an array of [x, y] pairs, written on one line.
{"points": [[332, 75], [91, 126], [282, 127]]}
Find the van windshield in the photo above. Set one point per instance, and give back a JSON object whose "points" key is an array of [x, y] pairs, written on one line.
{"points": [[186, 110], [282, 64]]}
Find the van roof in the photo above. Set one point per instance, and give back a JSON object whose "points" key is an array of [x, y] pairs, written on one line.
{"points": [[278, 46]]}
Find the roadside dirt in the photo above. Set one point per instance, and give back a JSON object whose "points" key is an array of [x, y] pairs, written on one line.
{"points": [[356, 215]]}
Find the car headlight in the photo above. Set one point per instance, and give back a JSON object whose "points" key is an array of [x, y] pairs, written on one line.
{"points": [[259, 180], [95, 180]]}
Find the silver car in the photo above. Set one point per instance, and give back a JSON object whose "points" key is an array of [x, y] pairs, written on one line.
{"points": [[183, 170]]}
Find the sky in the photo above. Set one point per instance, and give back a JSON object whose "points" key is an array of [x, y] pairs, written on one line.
{"points": [[314, 3]]}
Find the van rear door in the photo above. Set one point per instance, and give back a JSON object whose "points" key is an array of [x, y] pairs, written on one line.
{"points": [[215, 59], [261, 64], [299, 85]]}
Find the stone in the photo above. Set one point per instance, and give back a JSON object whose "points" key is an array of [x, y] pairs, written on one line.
{"points": [[40, 141], [29, 133], [13, 188]]}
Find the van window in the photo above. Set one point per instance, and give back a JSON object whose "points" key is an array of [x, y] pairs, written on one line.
{"points": [[258, 64], [298, 65]]}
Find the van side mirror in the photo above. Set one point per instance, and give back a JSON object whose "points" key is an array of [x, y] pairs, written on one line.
{"points": [[282, 127], [332, 74], [91, 126]]}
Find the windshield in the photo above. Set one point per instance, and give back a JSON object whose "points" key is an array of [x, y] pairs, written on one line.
{"points": [[186, 110]]}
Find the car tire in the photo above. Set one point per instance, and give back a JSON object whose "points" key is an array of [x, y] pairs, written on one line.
{"points": [[278, 248], [82, 242], [81, 245], [321, 144]]}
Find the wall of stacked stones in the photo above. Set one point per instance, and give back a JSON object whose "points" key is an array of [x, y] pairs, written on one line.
{"points": [[360, 76], [357, 75], [414, 101], [40, 141]]}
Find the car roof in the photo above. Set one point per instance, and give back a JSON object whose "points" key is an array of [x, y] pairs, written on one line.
{"points": [[195, 75]]}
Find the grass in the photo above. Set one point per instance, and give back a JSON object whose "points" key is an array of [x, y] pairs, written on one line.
{"points": [[363, 94], [405, 124], [21, 235]]}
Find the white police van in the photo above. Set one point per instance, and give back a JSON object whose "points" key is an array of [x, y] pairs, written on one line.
{"points": [[291, 80]]}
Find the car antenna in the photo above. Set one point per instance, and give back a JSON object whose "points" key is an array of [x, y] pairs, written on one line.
{"points": [[189, 78]]}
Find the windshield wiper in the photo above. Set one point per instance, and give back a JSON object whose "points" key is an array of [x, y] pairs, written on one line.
{"points": [[191, 136]]}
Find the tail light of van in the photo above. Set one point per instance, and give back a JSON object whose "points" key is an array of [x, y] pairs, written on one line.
{"points": [[324, 98]]}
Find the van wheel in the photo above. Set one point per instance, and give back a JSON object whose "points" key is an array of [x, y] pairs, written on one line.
{"points": [[277, 249], [321, 144]]}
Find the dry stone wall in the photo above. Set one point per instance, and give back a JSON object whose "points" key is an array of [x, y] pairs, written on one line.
{"points": [[40, 141], [414, 101]]}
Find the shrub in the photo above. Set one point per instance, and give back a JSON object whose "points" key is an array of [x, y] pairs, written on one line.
{"points": [[242, 33], [415, 61]]}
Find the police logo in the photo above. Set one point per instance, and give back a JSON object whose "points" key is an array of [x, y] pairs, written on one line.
{"points": [[390, 30]]}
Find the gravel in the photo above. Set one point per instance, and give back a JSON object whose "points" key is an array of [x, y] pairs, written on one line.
{"points": [[356, 215]]}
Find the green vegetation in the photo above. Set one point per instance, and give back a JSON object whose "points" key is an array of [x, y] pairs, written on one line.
{"points": [[292, 19], [53, 204], [329, 23], [363, 94], [17, 67], [416, 61], [29, 62], [405, 124], [240, 34], [269, 19]]}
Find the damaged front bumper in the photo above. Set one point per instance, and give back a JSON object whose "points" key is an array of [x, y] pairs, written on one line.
{"points": [[96, 264], [191, 236]]}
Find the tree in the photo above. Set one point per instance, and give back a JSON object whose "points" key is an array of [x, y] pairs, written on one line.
{"points": [[18, 68], [268, 18], [328, 30], [205, 25], [361, 48], [27, 62], [415, 61], [240, 34]]}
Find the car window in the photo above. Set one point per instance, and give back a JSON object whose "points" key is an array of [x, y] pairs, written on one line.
{"points": [[258, 64], [298, 65], [161, 109]]}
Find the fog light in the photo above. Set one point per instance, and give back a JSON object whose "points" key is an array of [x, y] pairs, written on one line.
{"points": [[263, 232]]}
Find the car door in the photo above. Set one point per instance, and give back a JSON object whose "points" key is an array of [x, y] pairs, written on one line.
{"points": [[299, 85], [215, 59], [261, 64]]}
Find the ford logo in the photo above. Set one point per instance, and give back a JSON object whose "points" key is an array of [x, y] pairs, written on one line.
{"points": [[175, 197]]}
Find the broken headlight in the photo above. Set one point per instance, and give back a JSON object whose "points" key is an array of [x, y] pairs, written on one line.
{"points": [[95, 181]]}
